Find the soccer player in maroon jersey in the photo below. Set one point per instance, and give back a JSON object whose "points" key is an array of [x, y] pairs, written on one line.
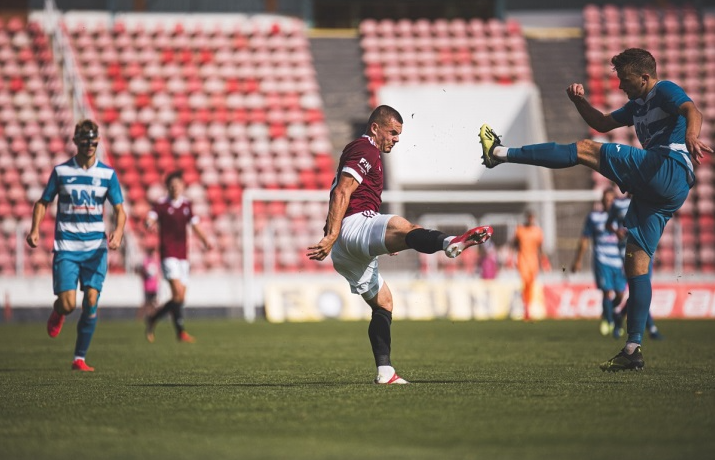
{"points": [[173, 216], [356, 233]]}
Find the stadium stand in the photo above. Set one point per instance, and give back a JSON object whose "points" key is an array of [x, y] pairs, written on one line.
{"points": [[239, 107], [233, 107], [683, 42], [418, 52], [35, 123]]}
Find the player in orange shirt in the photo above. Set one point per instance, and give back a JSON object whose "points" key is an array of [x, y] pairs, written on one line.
{"points": [[527, 240]]}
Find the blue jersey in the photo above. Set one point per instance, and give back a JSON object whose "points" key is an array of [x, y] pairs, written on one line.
{"points": [[657, 122], [603, 242], [79, 225], [617, 218]]}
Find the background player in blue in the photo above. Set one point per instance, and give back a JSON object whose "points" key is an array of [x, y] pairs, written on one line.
{"points": [[615, 224], [659, 176], [607, 261], [82, 185]]}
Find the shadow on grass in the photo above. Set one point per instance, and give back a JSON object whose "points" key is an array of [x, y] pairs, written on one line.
{"points": [[338, 384], [246, 385]]}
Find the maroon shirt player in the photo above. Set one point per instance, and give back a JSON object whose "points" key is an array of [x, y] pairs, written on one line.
{"points": [[173, 216], [356, 233]]}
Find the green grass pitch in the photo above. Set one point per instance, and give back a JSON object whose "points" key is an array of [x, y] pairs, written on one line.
{"points": [[481, 390]]}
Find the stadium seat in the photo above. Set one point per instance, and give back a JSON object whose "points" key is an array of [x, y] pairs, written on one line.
{"points": [[446, 51]]}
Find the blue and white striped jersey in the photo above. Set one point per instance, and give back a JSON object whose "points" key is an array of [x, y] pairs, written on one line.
{"points": [[616, 218], [603, 242], [79, 225], [657, 122]]}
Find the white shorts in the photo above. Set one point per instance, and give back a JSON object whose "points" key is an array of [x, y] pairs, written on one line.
{"points": [[175, 269], [354, 254]]}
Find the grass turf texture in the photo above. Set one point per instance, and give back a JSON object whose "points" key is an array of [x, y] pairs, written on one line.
{"points": [[494, 390]]}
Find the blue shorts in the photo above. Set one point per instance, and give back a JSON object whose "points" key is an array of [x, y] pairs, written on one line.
{"points": [[68, 268], [658, 183], [609, 278]]}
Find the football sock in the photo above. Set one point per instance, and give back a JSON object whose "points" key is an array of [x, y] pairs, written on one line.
{"points": [[85, 328], [167, 308], [386, 371], [607, 305], [177, 316], [549, 155], [631, 347], [500, 152], [641, 293], [380, 338], [426, 241]]}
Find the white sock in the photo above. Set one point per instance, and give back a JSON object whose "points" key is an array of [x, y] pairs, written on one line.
{"points": [[500, 152], [78, 357], [385, 371], [631, 347], [446, 242]]}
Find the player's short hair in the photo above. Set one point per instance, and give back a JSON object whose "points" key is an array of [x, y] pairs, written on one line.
{"points": [[635, 61], [178, 174], [383, 114], [86, 129]]}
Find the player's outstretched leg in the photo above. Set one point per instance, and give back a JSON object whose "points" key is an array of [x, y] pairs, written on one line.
{"points": [[150, 325], [653, 331], [471, 237], [85, 330], [549, 155], [54, 324]]}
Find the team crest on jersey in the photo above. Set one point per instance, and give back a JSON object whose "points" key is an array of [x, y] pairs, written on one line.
{"points": [[364, 165], [83, 199]]}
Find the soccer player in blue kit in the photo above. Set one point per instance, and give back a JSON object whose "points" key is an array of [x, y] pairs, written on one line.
{"points": [[659, 175], [607, 261], [82, 185]]}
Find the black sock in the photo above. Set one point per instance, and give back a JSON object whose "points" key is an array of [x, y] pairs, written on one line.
{"points": [[425, 241], [167, 308], [177, 315], [379, 333]]}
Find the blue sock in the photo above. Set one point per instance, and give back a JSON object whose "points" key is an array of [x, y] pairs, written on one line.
{"points": [[607, 305], [649, 323], [641, 292], [549, 155], [85, 328]]}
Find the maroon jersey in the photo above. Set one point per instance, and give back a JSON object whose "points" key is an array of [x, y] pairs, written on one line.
{"points": [[362, 160], [173, 219]]}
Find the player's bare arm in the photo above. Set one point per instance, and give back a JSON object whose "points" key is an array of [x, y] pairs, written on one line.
{"points": [[694, 120], [38, 213], [115, 238], [582, 246], [336, 211], [592, 116], [202, 236]]}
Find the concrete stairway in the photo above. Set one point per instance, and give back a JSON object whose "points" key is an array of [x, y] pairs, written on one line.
{"points": [[556, 63], [339, 68]]}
